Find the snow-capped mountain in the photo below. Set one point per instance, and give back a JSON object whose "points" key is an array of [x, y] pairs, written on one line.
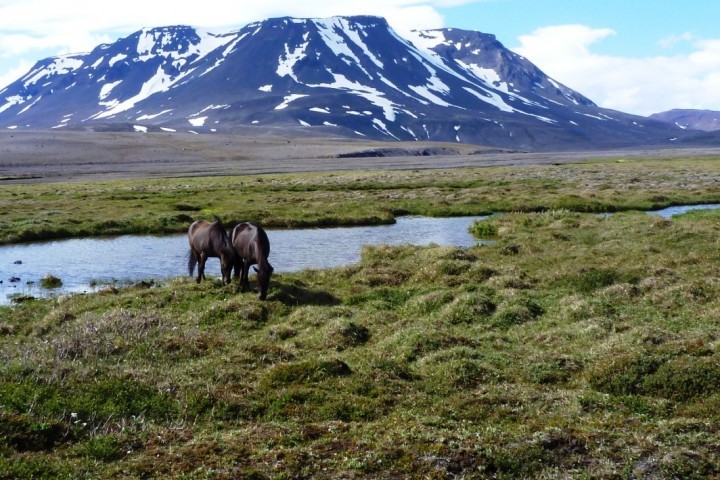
{"points": [[350, 76], [705, 120]]}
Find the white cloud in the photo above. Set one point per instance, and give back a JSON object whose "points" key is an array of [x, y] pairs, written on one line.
{"points": [[634, 85], [49, 17], [672, 40], [14, 73]]}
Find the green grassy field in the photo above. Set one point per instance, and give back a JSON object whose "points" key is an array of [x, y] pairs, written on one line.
{"points": [[55, 210], [575, 346]]}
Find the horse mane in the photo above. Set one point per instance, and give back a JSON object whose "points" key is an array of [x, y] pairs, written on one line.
{"points": [[219, 229], [262, 242]]}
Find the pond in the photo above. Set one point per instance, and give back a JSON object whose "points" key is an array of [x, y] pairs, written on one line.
{"points": [[86, 264]]}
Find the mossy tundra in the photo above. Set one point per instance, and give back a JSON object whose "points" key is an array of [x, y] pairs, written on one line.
{"points": [[575, 345]]}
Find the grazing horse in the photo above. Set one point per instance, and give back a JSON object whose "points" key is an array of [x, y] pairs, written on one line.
{"points": [[252, 247], [209, 239]]}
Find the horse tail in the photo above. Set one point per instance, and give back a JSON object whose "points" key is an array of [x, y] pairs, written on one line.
{"points": [[192, 261]]}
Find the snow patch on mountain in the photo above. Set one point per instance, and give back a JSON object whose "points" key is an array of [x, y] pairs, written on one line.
{"points": [[161, 81], [59, 66], [197, 122], [330, 30], [287, 64], [117, 58], [106, 89], [373, 95], [12, 101], [426, 39], [288, 100], [153, 116], [488, 75], [31, 105]]}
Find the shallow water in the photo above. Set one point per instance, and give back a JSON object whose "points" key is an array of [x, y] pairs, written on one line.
{"points": [[671, 211], [89, 263], [82, 263]]}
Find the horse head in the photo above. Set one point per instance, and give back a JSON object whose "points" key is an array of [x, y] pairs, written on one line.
{"points": [[227, 259], [263, 275]]}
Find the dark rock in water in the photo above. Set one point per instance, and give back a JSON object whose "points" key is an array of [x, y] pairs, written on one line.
{"points": [[145, 284], [51, 281], [22, 298], [18, 262]]}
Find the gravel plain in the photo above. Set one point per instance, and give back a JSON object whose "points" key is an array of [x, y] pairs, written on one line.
{"points": [[55, 156]]}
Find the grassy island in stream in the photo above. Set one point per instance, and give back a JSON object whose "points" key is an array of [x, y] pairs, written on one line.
{"points": [[574, 346]]}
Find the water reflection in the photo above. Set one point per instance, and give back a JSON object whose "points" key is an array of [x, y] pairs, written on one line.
{"points": [[87, 263]]}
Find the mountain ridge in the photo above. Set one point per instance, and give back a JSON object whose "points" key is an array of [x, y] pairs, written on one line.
{"points": [[695, 119], [347, 76]]}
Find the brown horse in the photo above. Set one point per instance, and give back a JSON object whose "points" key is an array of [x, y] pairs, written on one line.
{"points": [[252, 247], [209, 239]]}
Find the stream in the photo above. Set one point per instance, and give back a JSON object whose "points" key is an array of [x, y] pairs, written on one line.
{"points": [[87, 264]]}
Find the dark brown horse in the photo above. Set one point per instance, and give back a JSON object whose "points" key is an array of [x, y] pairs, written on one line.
{"points": [[209, 239], [252, 247]]}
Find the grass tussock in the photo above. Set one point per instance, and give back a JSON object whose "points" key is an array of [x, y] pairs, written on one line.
{"points": [[574, 346], [420, 361]]}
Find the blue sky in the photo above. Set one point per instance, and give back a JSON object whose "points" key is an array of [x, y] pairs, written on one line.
{"points": [[640, 27], [637, 56]]}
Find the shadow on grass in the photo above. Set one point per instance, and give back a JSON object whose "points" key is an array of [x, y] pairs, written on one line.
{"points": [[297, 294]]}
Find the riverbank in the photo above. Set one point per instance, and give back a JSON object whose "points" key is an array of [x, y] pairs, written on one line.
{"points": [[577, 345], [42, 211]]}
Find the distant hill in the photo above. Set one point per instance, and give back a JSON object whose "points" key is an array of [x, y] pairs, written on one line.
{"points": [[705, 120], [342, 76]]}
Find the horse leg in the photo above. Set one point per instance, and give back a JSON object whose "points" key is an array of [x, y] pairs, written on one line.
{"points": [[195, 262], [244, 283], [201, 267], [226, 269], [237, 267]]}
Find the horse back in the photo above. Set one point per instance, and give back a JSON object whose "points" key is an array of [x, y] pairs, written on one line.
{"points": [[251, 242], [204, 235]]}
